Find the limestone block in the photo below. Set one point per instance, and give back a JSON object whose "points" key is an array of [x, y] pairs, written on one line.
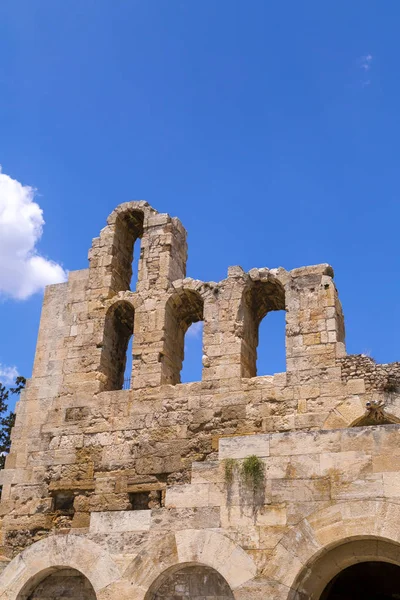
{"points": [[271, 536], [302, 490], [361, 439], [309, 391], [391, 485], [240, 447], [352, 409], [173, 519], [346, 466], [365, 488], [385, 462], [305, 442], [120, 521], [181, 496], [247, 516], [355, 386], [301, 541], [283, 566], [304, 466], [310, 420], [204, 472]]}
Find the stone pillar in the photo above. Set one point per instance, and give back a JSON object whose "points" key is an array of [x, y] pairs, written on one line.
{"points": [[315, 325], [223, 340], [163, 253]]}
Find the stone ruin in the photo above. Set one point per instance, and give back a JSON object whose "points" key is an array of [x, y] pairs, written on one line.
{"points": [[235, 486]]}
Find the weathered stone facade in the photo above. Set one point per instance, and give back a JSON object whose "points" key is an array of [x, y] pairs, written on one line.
{"points": [[141, 493]]}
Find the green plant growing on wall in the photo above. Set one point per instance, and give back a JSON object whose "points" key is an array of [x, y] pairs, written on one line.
{"points": [[252, 489], [230, 466], [253, 471]]}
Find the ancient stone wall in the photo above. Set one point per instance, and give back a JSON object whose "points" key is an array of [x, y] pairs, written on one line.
{"points": [[129, 471]]}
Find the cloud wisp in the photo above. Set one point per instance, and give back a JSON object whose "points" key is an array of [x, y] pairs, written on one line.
{"points": [[23, 271], [8, 374], [365, 63]]}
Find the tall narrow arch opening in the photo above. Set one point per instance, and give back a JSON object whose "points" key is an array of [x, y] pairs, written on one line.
{"points": [[58, 582], [118, 331], [190, 582], [264, 335], [126, 249], [183, 320]]}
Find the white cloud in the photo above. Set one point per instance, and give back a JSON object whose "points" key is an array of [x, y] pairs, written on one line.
{"points": [[22, 270], [8, 374], [195, 330], [365, 62]]}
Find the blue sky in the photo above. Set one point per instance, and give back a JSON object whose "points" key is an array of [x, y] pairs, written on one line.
{"points": [[271, 129]]}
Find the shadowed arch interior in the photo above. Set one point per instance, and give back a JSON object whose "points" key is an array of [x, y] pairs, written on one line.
{"points": [[190, 582], [314, 582], [56, 583], [118, 330], [370, 580]]}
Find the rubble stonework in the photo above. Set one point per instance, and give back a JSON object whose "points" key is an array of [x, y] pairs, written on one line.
{"points": [[114, 493]]}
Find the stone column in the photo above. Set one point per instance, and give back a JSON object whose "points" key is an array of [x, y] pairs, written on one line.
{"points": [[315, 325]]}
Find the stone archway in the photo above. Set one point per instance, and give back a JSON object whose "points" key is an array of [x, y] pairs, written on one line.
{"points": [[51, 584], [43, 558], [350, 569], [326, 529], [189, 547]]}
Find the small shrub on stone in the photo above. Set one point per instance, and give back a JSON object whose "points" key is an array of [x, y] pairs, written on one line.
{"points": [[253, 471]]}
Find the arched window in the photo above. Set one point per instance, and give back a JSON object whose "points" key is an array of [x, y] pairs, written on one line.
{"points": [[128, 231], [190, 583], [183, 309], [261, 299], [118, 331], [60, 583]]}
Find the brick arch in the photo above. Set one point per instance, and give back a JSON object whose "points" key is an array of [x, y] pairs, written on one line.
{"points": [[187, 548], [41, 559], [326, 529]]}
